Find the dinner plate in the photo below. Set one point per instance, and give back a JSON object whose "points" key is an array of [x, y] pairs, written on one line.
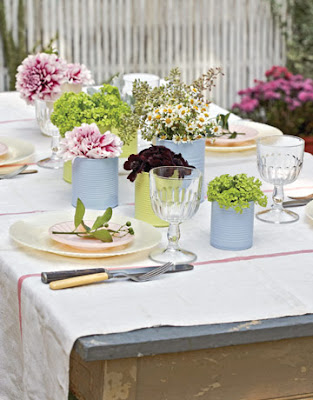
{"points": [[262, 129], [88, 243], [18, 150], [309, 210], [3, 149], [33, 232]]}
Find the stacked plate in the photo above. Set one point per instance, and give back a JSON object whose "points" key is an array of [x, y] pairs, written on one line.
{"points": [[248, 132], [14, 151]]}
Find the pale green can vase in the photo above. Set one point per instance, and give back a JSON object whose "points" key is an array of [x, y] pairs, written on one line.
{"points": [[143, 208]]}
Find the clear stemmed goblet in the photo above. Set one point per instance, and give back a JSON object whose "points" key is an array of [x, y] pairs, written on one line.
{"points": [[43, 111], [175, 197], [280, 160]]}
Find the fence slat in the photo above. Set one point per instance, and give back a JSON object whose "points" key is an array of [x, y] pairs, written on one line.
{"points": [[111, 36]]}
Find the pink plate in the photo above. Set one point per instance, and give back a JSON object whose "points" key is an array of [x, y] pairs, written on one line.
{"points": [[3, 149], [87, 243], [247, 139]]}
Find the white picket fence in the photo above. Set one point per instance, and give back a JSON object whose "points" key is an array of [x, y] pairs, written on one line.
{"points": [[111, 36]]}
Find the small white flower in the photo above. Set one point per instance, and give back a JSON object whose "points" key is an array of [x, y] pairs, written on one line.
{"points": [[216, 130], [176, 139]]}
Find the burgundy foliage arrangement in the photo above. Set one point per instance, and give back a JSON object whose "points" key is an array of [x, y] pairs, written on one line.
{"points": [[152, 157]]}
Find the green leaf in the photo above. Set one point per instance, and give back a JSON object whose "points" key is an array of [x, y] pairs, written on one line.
{"points": [[235, 134], [100, 221], [80, 212], [85, 226], [102, 235]]}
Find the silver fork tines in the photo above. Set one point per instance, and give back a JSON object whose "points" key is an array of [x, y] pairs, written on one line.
{"points": [[155, 272], [147, 276]]}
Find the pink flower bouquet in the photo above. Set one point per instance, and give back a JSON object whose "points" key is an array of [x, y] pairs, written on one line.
{"points": [[284, 100], [87, 141], [78, 74], [40, 76]]}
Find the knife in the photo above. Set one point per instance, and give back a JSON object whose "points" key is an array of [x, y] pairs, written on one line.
{"points": [[47, 277], [296, 203]]}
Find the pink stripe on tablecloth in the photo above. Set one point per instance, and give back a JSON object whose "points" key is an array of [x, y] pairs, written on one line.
{"points": [[219, 261], [290, 189], [254, 257], [19, 291], [17, 120], [23, 212]]}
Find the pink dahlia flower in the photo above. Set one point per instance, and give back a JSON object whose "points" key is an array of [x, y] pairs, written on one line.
{"points": [[78, 74], [40, 77], [87, 141]]}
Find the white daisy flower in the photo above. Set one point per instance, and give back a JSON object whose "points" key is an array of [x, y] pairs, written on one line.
{"points": [[176, 139], [168, 122], [216, 130]]}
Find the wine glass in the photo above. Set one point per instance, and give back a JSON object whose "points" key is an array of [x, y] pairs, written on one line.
{"points": [[44, 109], [175, 197], [280, 160]]}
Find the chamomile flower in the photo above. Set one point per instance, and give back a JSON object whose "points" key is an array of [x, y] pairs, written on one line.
{"points": [[194, 91], [183, 112], [202, 118], [185, 139], [149, 118], [190, 128], [168, 122], [177, 139], [216, 130]]}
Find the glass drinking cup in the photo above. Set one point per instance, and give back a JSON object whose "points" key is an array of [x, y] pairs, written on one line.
{"points": [[175, 197], [280, 160]]}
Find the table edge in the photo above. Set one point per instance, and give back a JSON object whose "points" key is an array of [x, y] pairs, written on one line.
{"points": [[172, 339]]}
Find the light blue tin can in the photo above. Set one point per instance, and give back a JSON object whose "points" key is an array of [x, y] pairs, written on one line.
{"points": [[231, 230], [95, 182]]}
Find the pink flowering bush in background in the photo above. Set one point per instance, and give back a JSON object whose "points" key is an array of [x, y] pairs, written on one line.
{"points": [[283, 100], [40, 76], [78, 74], [87, 141]]}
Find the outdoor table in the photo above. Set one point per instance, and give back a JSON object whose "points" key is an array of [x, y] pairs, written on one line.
{"points": [[239, 326]]}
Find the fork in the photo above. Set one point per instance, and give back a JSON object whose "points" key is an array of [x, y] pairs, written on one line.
{"points": [[87, 279], [13, 173]]}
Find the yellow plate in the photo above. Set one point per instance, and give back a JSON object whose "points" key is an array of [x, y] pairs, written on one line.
{"points": [[19, 150], [34, 232]]}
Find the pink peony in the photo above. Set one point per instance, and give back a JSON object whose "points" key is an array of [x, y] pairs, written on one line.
{"points": [[87, 141], [78, 74], [40, 77]]}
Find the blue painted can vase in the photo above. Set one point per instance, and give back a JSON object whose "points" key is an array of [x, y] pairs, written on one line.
{"points": [[95, 182], [193, 152], [231, 230]]}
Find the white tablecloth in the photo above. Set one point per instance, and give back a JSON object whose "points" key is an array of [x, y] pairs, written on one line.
{"points": [[38, 326]]}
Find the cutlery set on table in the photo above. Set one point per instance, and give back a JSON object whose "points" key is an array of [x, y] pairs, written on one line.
{"points": [[67, 279]]}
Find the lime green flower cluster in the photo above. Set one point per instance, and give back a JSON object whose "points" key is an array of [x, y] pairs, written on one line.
{"points": [[104, 108], [236, 191]]}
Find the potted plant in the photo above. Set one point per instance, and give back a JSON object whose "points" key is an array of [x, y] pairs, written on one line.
{"points": [[140, 164], [43, 77], [95, 165], [283, 100], [232, 212], [104, 108], [177, 116]]}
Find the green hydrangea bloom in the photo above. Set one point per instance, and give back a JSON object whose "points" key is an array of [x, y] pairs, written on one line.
{"points": [[236, 191], [104, 108]]}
